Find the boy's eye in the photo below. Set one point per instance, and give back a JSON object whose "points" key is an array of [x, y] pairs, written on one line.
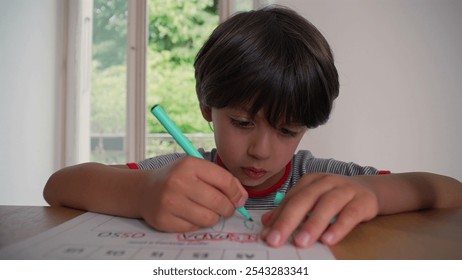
{"points": [[288, 132], [241, 123]]}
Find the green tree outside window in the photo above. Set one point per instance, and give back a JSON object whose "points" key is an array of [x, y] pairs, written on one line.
{"points": [[177, 29]]}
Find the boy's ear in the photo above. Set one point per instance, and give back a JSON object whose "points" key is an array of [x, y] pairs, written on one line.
{"points": [[206, 113]]}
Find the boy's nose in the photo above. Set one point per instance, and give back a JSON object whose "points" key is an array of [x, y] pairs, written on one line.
{"points": [[260, 146]]}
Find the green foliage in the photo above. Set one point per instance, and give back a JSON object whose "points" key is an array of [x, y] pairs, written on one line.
{"points": [[108, 102], [181, 27], [173, 86], [110, 26], [177, 30]]}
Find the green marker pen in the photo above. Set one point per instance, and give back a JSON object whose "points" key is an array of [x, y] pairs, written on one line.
{"points": [[184, 142]]}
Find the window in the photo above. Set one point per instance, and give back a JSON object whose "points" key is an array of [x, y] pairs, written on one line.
{"points": [[163, 37], [177, 30], [109, 81]]}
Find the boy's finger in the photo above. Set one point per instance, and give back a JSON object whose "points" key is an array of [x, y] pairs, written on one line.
{"points": [[347, 219], [196, 214], [177, 215], [284, 221], [225, 182], [327, 207], [213, 199], [266, 218], [294, 208], [204, 171], [298, 193]]}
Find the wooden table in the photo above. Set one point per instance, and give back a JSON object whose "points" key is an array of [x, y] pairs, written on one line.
{"points": [[429, 234]]}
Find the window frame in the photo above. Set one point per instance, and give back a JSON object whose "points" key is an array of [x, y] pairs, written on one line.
{"points": [[73, 112], [137, 44], [74, 105]]}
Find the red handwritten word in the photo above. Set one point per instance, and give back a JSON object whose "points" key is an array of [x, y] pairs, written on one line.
{"points": [[218, 236], [133, 235]]}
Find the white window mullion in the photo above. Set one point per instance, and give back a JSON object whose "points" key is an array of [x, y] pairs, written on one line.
{"points": [[136, 79], [225, 9], [76, 99]]}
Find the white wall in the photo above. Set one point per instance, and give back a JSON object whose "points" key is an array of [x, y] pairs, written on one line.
{"points": [[400, 67], [29, 70]]}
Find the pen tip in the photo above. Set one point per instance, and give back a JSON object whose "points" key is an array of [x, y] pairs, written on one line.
{"points": [[250, 219]]}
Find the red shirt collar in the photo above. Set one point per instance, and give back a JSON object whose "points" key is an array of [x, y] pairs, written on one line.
{"points": [[265, 192]]}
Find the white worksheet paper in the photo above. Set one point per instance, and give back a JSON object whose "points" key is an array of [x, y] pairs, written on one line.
{"points": [[97, 236]]}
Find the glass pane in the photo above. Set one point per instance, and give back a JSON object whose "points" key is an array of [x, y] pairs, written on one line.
{"points": [[246, 5], [109, 79], [177, 30]]}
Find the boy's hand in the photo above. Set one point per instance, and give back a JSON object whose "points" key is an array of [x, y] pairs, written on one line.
{"points": [[189, 194], [326, 196]]}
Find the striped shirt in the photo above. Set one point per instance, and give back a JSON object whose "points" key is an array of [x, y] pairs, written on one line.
{"points": [[303, 162]]}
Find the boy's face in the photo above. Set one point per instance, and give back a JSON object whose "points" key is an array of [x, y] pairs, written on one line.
{"points": [[252, 150]]}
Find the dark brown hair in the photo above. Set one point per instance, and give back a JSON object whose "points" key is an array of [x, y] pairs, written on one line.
{"points": [[271, 59]]}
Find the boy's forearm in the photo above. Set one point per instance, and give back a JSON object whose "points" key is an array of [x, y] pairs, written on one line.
{"points": [[412, 191], [96, 187]]}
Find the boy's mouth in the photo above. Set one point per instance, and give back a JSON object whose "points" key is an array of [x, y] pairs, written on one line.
{"points": [[254, 173]]}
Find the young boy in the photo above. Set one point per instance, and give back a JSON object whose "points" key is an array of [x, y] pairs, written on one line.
{"points": [[263, 78]]}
